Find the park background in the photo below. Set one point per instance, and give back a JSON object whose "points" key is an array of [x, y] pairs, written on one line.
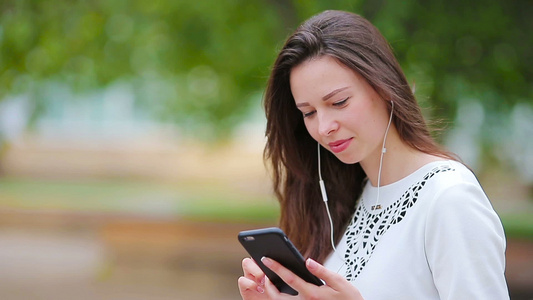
{"points": [[131, 133]]}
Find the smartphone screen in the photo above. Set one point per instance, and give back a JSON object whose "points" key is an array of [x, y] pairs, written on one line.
{"points": [[273, 243]]}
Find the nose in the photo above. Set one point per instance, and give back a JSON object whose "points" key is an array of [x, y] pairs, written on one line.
{"points": [[326, 124]]}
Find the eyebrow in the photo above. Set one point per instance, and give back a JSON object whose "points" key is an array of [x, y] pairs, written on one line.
{"points": [[333, 93], [326, 97]]}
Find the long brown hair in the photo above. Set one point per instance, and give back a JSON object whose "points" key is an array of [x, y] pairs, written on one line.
{"points": [[292, 152]]}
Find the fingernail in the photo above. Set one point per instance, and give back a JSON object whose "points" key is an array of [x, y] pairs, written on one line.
{"points": [[260, 289], [311, 264], [263, 281], [266, 261]]}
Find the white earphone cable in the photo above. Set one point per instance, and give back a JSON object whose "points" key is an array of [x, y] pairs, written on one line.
{"points": [[383, 150], [325, 199], [325, 195]]}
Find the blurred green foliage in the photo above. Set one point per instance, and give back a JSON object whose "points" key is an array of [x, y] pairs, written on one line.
{"points": [[206, 61]]}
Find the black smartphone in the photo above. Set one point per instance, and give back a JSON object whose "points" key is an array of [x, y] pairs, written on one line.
{"points": [[273, 243]]}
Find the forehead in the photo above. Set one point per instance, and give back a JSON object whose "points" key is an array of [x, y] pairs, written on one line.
{"points": [[319, 76]]}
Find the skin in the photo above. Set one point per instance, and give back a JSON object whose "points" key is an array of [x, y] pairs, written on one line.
{"points": [[355, 112], [255, 285], [346, 116]]}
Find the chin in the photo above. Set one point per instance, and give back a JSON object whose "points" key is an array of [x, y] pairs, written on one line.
{"points": [[347, 159]]}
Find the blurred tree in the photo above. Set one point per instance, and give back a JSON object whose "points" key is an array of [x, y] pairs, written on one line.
{"points": [[199, 63], [212, 54], [471, 62]]}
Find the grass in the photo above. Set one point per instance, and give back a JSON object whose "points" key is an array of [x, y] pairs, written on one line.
{"points": [[518, 226], [199, 200], [207, 200]]}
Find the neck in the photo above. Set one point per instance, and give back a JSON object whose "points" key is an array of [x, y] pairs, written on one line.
{"points": [[399, 161]]}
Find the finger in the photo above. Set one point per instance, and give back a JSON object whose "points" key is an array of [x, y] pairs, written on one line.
{"points": [[271, 290], [332, 279], [248, 287], [286, 275], [251, 270]]}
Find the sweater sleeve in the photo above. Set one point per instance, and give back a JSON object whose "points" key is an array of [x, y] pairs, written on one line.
{"points": [[465, 245]]}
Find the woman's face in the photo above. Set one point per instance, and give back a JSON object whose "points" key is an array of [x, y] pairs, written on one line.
{"points": [[340, 109]]}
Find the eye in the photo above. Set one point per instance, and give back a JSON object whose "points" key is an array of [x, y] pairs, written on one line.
{"points": [[308, 114], [341, 102]]}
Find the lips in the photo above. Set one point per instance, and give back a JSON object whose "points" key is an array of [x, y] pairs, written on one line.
{"points": [[340, 145]]}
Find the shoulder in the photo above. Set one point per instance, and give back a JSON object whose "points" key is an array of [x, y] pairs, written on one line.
{"points": [[452, 194], [462, 230], [457, 200], [449, 173], [452, 181]]}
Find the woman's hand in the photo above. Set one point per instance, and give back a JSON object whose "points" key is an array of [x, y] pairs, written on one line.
{"points": [[252, 284], [259, 287]]}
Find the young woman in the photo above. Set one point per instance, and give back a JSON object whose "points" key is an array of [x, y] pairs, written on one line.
{"points": [[408, 220]]}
